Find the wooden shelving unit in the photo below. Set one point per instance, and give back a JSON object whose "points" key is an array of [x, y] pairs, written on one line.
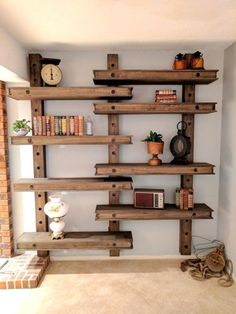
{"points": [[73, 184], [129, 212], [69, 93], [71, 140], [145, 169], [76, 240], [153, 108], [155, 77], [114, 212]]}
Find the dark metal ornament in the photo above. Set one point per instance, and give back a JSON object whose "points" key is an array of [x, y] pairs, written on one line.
{"points": [[180, 145]]}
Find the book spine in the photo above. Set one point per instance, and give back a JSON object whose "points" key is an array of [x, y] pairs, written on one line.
{"points": [[67, 125], [44, 125], [39, 123], [185, 199], [60, 125], [56, 124], [52, 125], [72, 125], [177, 198], [63, 125], [166, 92], [48, 126], [81, 125], [35, 126], [190, 199], [77, 125], [181, 199]]}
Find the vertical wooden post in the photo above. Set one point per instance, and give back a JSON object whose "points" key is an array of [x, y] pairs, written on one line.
{"points": [[37, 108], [187, 180], [113, 151]]}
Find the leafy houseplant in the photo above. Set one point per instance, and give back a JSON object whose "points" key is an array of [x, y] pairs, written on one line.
{"points": [[21, 127], [155, 146]]}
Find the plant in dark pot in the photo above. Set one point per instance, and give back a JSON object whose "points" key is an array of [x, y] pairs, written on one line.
{"points": [[180, 62], [155, 146], [21, 127], [197, 61]]}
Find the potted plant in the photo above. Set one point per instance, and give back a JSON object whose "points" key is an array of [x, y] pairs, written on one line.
{"points": [[155, 146], [21, 127], [197, 61], [180, 62]]}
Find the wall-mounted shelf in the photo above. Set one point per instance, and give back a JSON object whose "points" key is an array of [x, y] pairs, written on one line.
{"points": [[145, 169], [119, 77], [76, 240], [129, 212], [73, 184], [71, 140], [69, 93], [153, 108]]}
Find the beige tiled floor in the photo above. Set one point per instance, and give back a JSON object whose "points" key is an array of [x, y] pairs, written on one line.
{"points": [[119, 286]]}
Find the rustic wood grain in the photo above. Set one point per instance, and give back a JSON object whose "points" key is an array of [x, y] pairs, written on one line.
{"points": [[114, 76], [145, 169], [129, 212], [71, 140], [76, 240], [37, 108], [153, 108], [72, 184], [67, 93]]}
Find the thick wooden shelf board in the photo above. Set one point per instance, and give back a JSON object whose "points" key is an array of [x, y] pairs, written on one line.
{"points": [[77, 93], [129, 212], [153, 108], [76, 240], [71, 140], [73, 184], [145, 169], [143, 77]]}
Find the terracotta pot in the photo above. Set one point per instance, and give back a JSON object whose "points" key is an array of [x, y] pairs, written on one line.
{"points": [[197, 63], [180, 65], [155, 148]]}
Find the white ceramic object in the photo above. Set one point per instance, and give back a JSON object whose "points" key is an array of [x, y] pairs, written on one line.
{"points": [[21, 132], [55, 209]]}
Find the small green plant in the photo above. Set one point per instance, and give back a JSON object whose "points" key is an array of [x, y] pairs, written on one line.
{"points": [[153, 137], [21, 124]]}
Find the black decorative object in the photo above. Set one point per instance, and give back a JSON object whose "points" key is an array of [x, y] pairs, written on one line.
{"points": [[180, 145]]}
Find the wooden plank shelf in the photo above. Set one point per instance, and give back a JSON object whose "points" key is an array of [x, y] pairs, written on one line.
{"points": [[69, 93], [153, 108], [71, 140], [118, 77], [129, 212], [145, 169], [73, 184], [76, 240]]}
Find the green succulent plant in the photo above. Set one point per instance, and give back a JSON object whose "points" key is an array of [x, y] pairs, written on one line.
{"points": [[21, 124], [153, 137]]}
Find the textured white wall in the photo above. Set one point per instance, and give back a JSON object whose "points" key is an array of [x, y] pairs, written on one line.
{"points": [[150, 237], [227, 213]]}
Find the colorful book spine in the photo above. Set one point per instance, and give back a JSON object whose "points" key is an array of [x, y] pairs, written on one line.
{"points": [[81, 125], [35, 126], [184, 198], [72, 125], [48, 125], [52, 125], [67, 125], [76, 118], [56, 124], [44, 125]]}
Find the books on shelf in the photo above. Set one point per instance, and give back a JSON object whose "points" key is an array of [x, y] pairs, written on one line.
{"points": [[184, 198], [166, 96], [58, 125]]}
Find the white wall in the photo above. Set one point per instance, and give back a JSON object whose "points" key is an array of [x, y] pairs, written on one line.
{"points": [[12, 55], [227, 213], [150, 237]]}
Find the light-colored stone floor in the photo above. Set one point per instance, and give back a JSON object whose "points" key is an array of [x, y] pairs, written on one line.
{"points": [[119, 286]]}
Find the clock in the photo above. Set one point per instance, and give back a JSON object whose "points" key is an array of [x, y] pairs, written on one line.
{"points": [[180, 145], [51, 74]]}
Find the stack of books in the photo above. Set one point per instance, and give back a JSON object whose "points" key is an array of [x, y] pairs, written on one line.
{"points": [[166, 96], [58, 125], [184, 198]]}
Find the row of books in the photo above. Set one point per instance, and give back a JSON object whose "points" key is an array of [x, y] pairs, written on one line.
{"points": [[184, 198], [166, 96], [58, 125]]}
